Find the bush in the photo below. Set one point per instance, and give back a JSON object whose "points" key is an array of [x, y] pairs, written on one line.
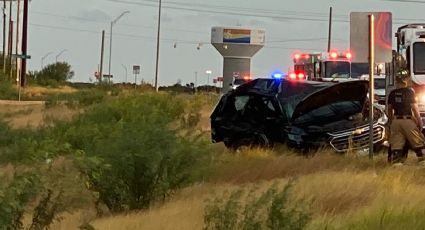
{"points": [[130, 151], [14, 198], [53, 74], [7, 90], [129, 154], [271, 210]]}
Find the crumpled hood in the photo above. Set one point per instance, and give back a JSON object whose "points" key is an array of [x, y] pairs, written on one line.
{"points": [[343, 91]]}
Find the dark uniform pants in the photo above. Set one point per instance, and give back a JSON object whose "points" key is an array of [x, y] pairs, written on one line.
{"points": [[403, 130]]}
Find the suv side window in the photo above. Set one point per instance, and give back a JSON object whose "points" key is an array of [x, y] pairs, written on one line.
{"points": [[240, 102]]}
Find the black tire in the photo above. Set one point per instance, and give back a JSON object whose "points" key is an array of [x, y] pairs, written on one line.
{"points": [[257, 140]]}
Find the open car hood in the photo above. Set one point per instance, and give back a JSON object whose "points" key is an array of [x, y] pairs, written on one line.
{"points": [[343, 91]]}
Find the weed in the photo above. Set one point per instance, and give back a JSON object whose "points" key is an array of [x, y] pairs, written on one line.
{"points": [[273, 209]]}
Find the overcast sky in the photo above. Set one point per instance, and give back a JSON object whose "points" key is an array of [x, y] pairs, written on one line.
{"points": [[76, 25]]}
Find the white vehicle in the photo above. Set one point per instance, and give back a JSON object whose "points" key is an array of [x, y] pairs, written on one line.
{"points": [[411, 47], [237, 81], [380, 88]]}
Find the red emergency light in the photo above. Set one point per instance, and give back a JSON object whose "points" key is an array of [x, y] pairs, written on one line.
{"points": [[246, 78], [293, 76], [301, 76], [307, 56], [297, 56], [348, 55], [333, 54]]}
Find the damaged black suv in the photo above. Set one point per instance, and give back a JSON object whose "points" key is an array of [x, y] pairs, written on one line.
{"points": [[303, 114]]}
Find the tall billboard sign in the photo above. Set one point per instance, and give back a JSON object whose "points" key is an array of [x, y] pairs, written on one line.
{"points": [[359, 36]]}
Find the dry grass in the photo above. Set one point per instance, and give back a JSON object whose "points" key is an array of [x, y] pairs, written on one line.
{"points": [[23, 115], [184, 211], [257, 164], [339, 188], [37, 91]]}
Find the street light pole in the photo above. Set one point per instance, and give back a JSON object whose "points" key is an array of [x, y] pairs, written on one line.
{"points": [[125, 68], [44, 57], [110, 41], [208, 72], [196, 80], [57, 56]]}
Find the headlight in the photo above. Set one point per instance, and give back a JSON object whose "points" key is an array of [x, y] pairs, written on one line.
{"points": [[422, 99]]}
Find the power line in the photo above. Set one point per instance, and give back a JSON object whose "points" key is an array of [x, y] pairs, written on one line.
{"points": [[408, 1], [312, 15], [139, 37], [223, 12], [76, 18]]}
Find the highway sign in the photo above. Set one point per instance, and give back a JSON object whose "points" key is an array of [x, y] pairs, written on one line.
{"points": [[21, 56], [136, 69], [359, 36]]}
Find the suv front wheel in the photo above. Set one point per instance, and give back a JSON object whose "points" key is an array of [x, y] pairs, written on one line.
{"points": [[256, 140]]}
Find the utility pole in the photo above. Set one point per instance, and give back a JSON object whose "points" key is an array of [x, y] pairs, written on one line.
{"points": [[24, 43], [157, 45], [10, 49], [330, 30], [102, 49], [18, 80], [4, 36]]}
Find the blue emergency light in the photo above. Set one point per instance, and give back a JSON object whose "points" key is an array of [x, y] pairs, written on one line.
{"points": [[277, 75]]}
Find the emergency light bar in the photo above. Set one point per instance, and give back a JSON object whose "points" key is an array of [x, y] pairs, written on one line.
{"points": [[277, 75], [335, 55]]}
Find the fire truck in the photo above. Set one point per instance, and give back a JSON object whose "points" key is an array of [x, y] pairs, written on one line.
{"points": [[410, 55], [304, 64], [332, 66]]}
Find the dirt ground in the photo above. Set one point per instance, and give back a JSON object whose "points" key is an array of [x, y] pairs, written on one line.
{"points": [[33, 113]]}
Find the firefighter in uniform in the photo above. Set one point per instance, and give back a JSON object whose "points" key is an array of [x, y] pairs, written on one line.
{"points": [[405, 121]]}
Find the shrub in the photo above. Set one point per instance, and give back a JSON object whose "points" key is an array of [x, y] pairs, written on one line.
{"points": [[7, 90], [129, 154], [14, 197], [270, 210], [130, 151], [53, 74]]}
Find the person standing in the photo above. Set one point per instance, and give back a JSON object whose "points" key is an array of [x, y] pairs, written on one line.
{"points": [[405, 122]]}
